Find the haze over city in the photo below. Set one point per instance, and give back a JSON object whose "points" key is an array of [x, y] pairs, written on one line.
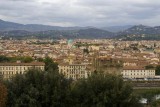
{"points": [[98, 13]]}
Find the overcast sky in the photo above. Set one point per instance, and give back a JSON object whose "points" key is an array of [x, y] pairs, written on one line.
{"points": [[96, 13]]}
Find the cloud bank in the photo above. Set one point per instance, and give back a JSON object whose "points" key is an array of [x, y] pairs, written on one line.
{"points": [[98, 13]]}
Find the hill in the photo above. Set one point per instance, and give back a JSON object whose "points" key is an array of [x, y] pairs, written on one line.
{"points": [[90, 33], [8, 26], [116, 29], [140, 32], [16, 30], [94, 33]]}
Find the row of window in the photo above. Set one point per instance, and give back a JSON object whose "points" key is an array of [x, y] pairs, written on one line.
{"points": [[72, 66], [10, 73], [77, 72], [73, 72], [139, 71], [13, 68], [75, 76], [139, 77], [69, 70], [17, 68], [139, 74]]}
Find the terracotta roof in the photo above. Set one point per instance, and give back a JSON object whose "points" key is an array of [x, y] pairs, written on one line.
{"points": [[67, 64], [23, 64], [133, 68]]}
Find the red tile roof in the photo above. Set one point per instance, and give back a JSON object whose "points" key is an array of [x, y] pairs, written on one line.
{"points": [[23, 64]]}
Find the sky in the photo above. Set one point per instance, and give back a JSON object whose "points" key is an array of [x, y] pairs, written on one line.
{"points": [[98, 13]]}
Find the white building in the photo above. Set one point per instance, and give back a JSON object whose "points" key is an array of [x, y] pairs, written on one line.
{"points": [[7, 70], [74, 71], [135, 72]]}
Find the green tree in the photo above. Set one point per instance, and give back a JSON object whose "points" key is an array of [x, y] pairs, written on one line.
{"points": [[156, 103], [50, 89], [38, 89], [50, 65], [40, 59], [27, 59], [101, 90], [4, 59], [86, 51], [3, 95], [158, 70], [150, 96], [149, 67]]}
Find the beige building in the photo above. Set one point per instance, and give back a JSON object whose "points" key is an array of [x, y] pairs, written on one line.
{"points": [[137, 72], [7, 70], [74, 71]]}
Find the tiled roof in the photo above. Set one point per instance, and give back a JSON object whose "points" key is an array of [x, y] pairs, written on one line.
{"points": [[133, 68], [23, 64]]}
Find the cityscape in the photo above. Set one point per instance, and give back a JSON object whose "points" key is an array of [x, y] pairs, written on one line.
{"points": [[80, 57], [79, 53]]}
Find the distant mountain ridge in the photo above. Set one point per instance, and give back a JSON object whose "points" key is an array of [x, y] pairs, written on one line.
{"points": [[116, 29], [8, 26], [95, 33], [21, 30], [140, 32], [89, 33], [129, 32]]}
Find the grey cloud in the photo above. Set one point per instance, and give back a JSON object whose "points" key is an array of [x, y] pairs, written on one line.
{"points": [[20, 0], [81, 12]]}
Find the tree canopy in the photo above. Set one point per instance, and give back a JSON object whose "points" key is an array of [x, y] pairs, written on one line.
{"points": [[37, 89], [3, 95], [50, 65], [47, 89], [26, 59], [150, 96], [3, 58], [158, 70], [101, 90]]}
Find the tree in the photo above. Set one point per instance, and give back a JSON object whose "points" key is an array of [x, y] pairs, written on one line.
{"points": [[150, 96], [50, 65], [3, 95], [101, 90], [86, 51], [149, 67], [27, 59], [158, 70], [38, 89], [40, 59], [156, 103], [4, 58], [51, 89]]}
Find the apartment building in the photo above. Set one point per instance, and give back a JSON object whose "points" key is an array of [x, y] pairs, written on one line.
{"points": [[74, 71], [7, 70], [137, 72]]}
